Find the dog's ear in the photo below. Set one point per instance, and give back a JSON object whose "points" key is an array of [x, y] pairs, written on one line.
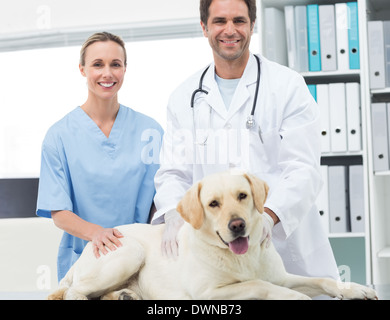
{"points": [[190, 207], [259, 191]]}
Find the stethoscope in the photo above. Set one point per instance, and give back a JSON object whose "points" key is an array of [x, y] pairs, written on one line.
{"points": [[250, 122]]}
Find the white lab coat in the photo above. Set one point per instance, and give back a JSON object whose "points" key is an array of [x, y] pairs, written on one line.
{"points": [[288, 160]]}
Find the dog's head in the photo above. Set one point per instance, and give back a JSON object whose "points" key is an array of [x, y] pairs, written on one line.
{"points": [[226, 207]]}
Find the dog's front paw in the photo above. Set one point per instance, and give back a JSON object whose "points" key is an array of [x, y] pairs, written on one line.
{"points": [[354, 291]]}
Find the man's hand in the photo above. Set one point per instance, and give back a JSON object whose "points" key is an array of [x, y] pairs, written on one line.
{"points": [[268, 224], [169, 244]]}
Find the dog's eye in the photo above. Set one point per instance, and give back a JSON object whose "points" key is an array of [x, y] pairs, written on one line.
{"points": [[242, 196], [214, 204]]}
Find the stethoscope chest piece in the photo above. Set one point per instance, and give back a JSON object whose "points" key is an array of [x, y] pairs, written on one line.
{"points": [[250, 122]]}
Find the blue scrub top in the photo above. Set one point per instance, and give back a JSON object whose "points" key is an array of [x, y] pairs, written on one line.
{"points": [[106, 181]]}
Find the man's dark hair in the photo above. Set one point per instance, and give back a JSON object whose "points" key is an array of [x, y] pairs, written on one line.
{"points": [[205, 4]]}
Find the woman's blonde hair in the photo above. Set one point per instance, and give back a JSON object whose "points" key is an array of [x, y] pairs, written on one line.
{"points": [[101, 36]]}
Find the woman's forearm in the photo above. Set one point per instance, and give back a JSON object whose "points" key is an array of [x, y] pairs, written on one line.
{"points": [[74, 225]]}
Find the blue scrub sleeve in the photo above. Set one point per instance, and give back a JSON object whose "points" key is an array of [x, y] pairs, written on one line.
{"points": [[54, 192]]}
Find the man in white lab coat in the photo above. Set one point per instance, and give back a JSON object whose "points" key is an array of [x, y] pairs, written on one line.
{"points": [[282, 146]]}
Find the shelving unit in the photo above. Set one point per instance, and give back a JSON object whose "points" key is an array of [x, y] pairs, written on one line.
{"points": [[384, 253], [380, 206], [379, 182], [380, 92], [331, 76], [373, 244]]}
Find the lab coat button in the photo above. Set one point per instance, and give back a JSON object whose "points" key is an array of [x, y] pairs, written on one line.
{"points": [[228, 126]]}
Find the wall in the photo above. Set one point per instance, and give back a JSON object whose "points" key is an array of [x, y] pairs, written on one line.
{"points": [[21, 16]]}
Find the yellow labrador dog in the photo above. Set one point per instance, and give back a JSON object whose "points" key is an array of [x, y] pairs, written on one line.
{"points": [[220, 256]]}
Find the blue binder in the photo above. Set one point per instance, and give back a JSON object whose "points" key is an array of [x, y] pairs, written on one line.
{"points": [[313, 37], [313, 90], [353, 36]]}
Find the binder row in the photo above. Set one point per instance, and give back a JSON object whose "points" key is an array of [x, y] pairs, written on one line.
{"points": [[380, 118], [379, 53], [341, 201], [340, 113], [319, 37]]}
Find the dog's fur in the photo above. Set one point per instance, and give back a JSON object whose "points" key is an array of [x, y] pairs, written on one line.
{"points": [[222, 213]]}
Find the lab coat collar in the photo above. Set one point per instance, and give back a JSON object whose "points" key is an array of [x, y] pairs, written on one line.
{"points": [[250, 73], [214, 98], [242, 94]]}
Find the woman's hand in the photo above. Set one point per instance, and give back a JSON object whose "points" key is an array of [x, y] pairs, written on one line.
{"points": [[105, 238], [101, 238]]}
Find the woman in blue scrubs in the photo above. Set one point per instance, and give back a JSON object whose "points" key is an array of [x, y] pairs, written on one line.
{"points": [[99, 161]]}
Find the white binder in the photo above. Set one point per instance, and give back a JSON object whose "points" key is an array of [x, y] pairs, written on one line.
{"points": [[342, 36], [327, 37], [376, 54], [388, 131], [323, 103], [338, 216], [301, 37], [322, 201], [338, 121], [386, 40], [356, 198], [291, 39], [354, 130], [275, 36], [380, 146]]}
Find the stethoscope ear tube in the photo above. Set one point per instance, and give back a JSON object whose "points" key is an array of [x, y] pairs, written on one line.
{"points": [[199, 88], [251, 121]]}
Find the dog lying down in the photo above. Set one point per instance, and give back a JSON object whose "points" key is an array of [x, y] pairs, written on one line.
{"points": [[220, 256]]}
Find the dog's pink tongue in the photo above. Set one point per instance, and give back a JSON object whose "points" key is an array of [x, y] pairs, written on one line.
{"points": [[240, 245]]}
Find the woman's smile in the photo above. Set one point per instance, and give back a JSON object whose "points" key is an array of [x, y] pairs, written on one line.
{"points": [[107, 84]]}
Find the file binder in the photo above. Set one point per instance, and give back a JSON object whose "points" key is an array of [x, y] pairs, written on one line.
{"points": [[376, 54], [338, 210], [275, 36], [380, 144], [323, 103], [301, 38], [386, 40], [313, 34], [322, 201], [338, 121], [327, 37], [356, 198], [388, 131], [313, 90], [354, 136], [291, 38], [342, 36], [353, 36]]}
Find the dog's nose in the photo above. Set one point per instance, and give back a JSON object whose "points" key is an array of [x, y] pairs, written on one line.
{"points": [[237, 225]]}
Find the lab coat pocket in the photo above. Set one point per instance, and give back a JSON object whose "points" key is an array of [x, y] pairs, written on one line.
{"points": [[264, 151]]}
